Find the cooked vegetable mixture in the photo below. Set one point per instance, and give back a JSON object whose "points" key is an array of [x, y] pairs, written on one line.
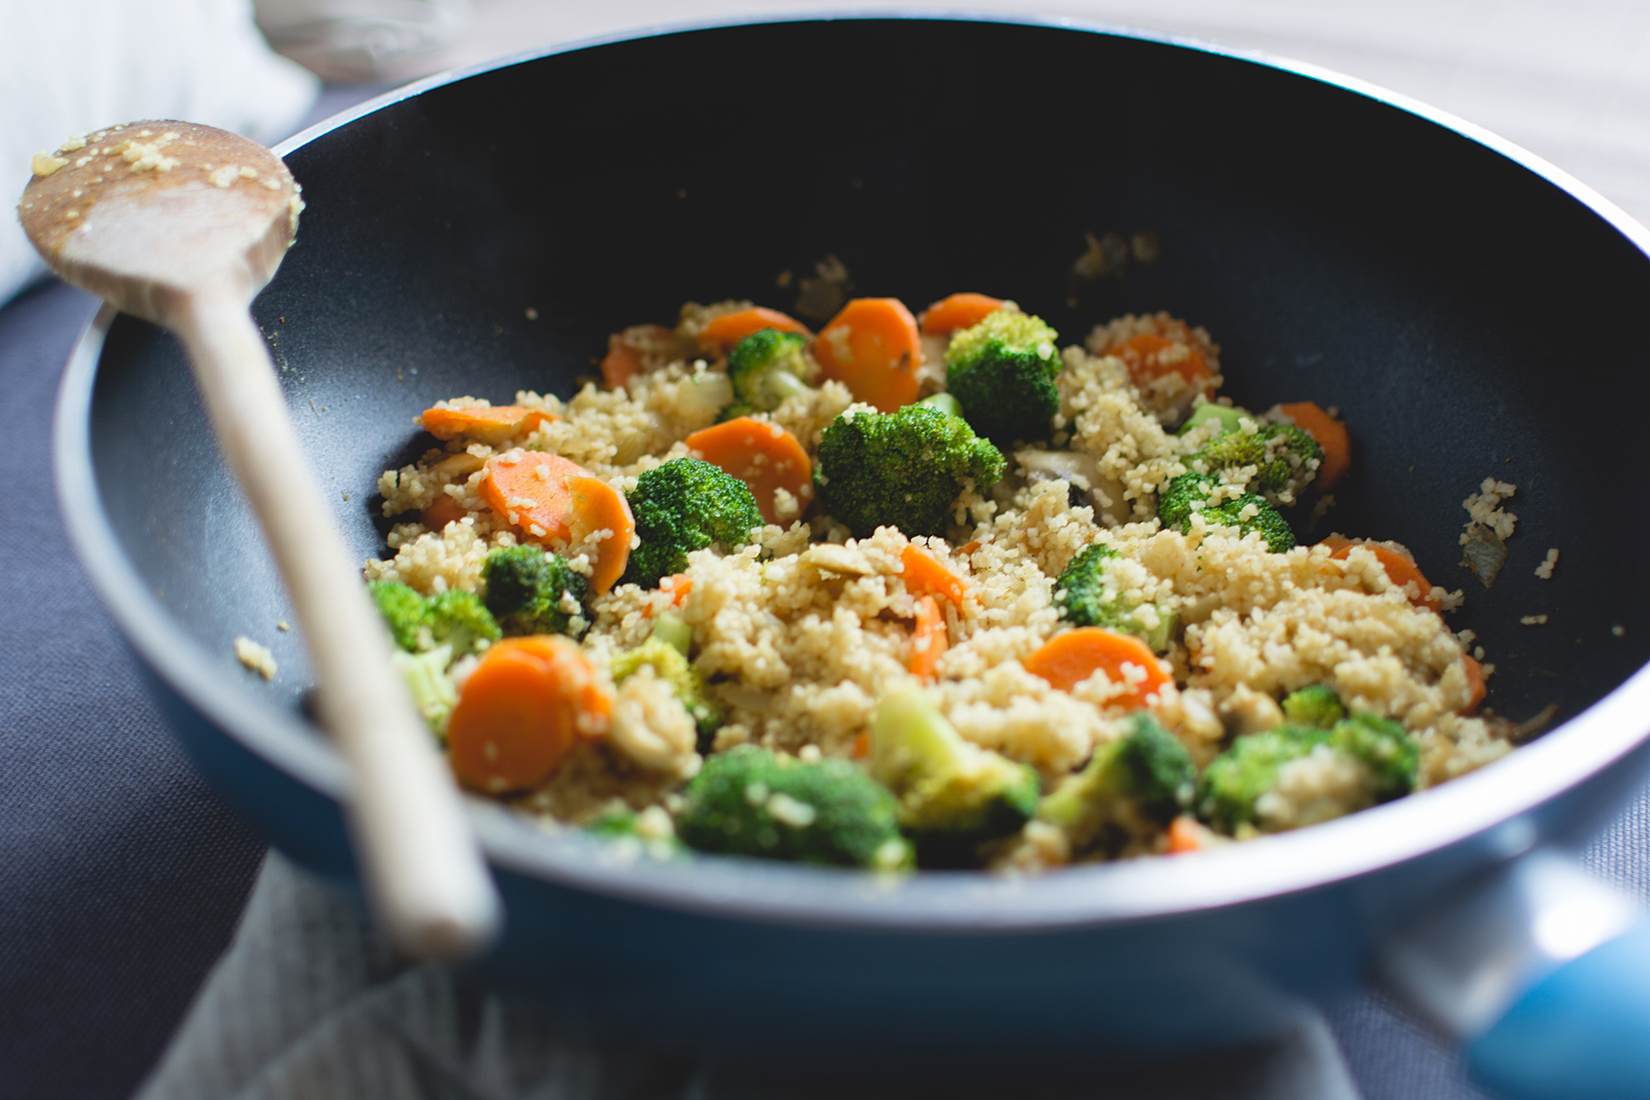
{"points": [[914, 592]]}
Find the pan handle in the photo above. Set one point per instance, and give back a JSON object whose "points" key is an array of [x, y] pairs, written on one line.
{"points": [[1543, 973]]}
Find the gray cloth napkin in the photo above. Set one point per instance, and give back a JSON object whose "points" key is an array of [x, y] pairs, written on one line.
{"points": [[308, 1003]]}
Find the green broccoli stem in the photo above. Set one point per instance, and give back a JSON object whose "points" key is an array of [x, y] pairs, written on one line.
{"points": [[954, 796], [943, 402], [674, 631]]}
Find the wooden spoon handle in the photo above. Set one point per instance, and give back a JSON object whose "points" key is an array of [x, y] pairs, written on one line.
{"points": [[424, 874]]}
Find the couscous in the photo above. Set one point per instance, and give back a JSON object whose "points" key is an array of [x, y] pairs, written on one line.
{"points": [[931, 592]]}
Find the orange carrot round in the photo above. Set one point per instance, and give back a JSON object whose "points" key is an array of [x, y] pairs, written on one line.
{"points": [[1330, 434], [522, 711], [594, 505], [1400, 567], [721, 333], [872, 347], [929, 640], [488, 424], [925, 576], [1144, 355], [762, 455], [623, 360], [441, 511], [961, 310], [1068, 659], [621, 363], [1475, 683], [557, 502], [529, 489]]}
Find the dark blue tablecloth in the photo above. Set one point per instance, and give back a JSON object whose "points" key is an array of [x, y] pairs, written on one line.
{"points": [[120, 874]]}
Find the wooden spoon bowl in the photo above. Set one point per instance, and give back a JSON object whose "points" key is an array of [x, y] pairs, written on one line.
{"points": [[182, 224]]}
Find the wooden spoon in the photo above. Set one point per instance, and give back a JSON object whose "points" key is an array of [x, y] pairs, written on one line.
{"points": [[182, 225]]}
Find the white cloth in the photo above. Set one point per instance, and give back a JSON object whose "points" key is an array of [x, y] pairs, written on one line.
{"points": [[308, 1004], [71, 66]]}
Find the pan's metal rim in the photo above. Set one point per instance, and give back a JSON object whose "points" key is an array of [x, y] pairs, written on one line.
{"points": [[929, 903]]}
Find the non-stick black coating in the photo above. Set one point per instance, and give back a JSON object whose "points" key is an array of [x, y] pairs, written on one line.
{"points": [[1468, 318]]}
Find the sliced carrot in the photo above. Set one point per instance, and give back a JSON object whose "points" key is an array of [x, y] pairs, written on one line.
{"points": [[441, 511], [1475, 683], [597, 506], [762, 455], [860, 747], [522, 711], [962, 310], [488, 424], [678, 585], [1144, 355], [929, 640], [925, 576], [721, 333], [1186, 835], [872, 347], [621, 363], [555, 501], [529, 489], [592, 693], [623, 360], [1400, 567], [1330, 434], [1068, 659]]}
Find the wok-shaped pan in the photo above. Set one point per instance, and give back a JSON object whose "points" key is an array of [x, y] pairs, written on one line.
{"points": [[1474, 313]]}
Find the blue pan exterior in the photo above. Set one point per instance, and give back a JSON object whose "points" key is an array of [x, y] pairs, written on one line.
{"points": [[1155, 953]]}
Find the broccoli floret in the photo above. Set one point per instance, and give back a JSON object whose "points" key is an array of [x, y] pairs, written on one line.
{"points": [[1314, 705], [1250, 513], [904, 469], [1233, 795], [1190, 493], [532, 591], [459, 619], [625, 825], [1286, 459], [1235, 781], [1083, 599], [750, 802], [768, 366], [1002, 371], [1230, 417], [1130, 789], [1181, 497], [425, 675], [671, 665], [686, 504], [953, 795], [403, 612], [1391, 755], [454, 619]]}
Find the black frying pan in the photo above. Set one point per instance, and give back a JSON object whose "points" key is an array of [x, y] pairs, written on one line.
{"points": [[1471, 311]]}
